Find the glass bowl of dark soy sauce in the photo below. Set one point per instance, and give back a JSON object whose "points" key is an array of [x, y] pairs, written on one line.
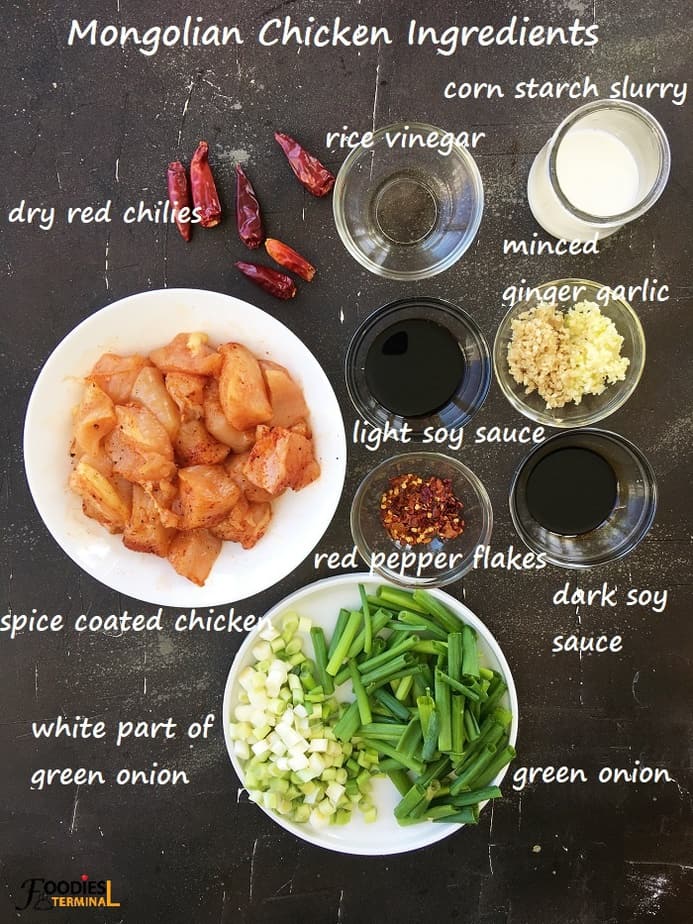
{"points": [[583, 498], [422, 362]]}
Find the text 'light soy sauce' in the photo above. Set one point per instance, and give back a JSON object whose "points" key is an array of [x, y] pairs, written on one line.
{"points": [[414, 367]]}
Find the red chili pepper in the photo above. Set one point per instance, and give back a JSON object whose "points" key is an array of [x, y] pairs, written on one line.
{"points": [[179, 197], [315, 177], [204, 191], [286, 256], [248, 217], [278, 284]]}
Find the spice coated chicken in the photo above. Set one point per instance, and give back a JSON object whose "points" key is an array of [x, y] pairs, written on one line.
{"points": [[188, 447]]}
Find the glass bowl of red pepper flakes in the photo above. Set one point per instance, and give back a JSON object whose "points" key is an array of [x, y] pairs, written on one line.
{"points": [[417, 519]]}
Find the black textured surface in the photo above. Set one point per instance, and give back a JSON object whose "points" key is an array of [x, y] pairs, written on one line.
{"points": [[81, 125]]}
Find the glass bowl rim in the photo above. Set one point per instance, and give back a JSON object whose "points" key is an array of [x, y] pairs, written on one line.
{"points": [[465, 240], [656, 132], [627, 548], [389, 309], [628, 385], [449, 575]]}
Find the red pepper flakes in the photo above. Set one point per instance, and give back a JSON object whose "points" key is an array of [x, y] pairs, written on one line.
{"points": [[414, 511]]}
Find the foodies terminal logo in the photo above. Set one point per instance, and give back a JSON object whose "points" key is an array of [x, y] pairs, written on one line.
{"points": [[46, 894]]}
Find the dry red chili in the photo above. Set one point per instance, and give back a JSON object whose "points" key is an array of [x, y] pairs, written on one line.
{"points": [[248, 216], [309, 171], [179, 197], [288, 258], [414, 511], [278, 284], [204, 190]]}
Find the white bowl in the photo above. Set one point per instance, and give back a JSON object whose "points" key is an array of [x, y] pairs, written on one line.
{"points": [[140, 323], [321, 602]]}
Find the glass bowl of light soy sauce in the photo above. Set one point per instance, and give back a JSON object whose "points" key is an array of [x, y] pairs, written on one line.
{"points": [[583, 498], [420, 362]]}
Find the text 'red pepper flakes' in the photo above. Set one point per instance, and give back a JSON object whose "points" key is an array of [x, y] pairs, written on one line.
{"points": [[415, 511]]}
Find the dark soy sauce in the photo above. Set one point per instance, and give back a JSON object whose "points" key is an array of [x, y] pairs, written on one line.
{"points": [[571, 491], [414, 367]]}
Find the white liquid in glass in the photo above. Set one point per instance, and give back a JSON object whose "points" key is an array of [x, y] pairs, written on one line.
{"points": [[597, 172]]}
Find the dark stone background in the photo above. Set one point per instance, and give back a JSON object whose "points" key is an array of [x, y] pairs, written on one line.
{"points": [[83, 124]]}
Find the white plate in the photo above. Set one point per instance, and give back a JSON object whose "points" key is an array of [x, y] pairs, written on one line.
{"points": [[136, 325], [321, 602]]}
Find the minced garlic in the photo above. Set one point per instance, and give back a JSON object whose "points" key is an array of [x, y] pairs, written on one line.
{"points": [[565, 356]]}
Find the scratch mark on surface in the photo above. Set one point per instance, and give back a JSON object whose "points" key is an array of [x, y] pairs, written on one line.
{"points": [[252, 869], [234, 102], [519, 812], [579, 619], [682, 789], [185, 109], [74, 812], [658, 863], [376, 90], [144, 685], [636, 678], [341, 315], [36, 682], [117, 168], [105, 266], [490, 828], [223, 905], [100, 831], [490, 861], [375, 101], [339, 906]]}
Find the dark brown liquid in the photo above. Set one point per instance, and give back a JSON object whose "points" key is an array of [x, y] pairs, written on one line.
{"points": [[413, 368], [571, 491]]}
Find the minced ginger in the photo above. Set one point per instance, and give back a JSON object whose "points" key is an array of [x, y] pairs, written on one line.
{"points": [[565, 356]]}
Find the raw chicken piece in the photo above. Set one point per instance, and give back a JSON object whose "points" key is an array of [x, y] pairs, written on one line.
{"points": [[246, 523], [145, 532], [187, 353], [94, 418], [218, 425], [139, 446], [206, 495], [281, 459], [193, 553], [116, 375], [196, 446], [102, 499], [242, 388], [286, 397], [149, 390]]}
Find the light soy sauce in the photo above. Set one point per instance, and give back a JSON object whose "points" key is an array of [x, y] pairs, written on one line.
{"points": [[414, 367], [571, 491]]}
